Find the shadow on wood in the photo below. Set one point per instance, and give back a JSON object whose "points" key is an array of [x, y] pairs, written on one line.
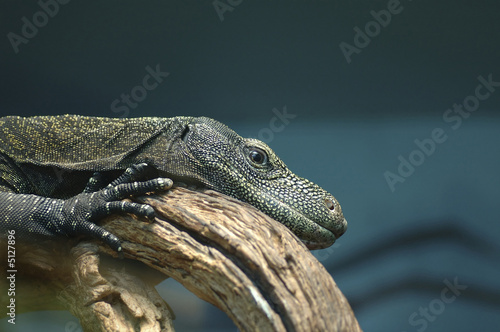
{"points": [[224, 251]]}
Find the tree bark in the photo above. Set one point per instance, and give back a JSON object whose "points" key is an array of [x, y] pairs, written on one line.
{"points": [[224, 251]]}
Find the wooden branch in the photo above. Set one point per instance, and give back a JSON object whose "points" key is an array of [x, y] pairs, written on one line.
{"points": [[104, 297], [224, 251]]}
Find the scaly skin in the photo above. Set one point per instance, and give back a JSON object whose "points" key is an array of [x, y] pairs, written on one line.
{"points": [[52, 158]]}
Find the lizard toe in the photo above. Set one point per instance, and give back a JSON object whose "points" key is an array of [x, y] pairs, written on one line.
{"points": [[136, 188], [131, 174], [97, 232], [95, 183]]}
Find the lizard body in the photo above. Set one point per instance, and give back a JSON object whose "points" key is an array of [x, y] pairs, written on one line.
{"points": [[46, 162]]}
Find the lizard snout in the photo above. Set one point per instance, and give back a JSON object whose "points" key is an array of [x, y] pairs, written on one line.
{"points": [[337, 223]]}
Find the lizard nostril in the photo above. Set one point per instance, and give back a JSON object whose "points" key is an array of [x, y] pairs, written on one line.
{"points": [[329, 204]]}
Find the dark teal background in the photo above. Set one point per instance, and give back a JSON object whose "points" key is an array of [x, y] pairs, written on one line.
{"points": [[352, 122]]}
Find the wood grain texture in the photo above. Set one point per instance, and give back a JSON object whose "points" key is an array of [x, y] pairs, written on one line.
{"points": [[235, 257], [224, 251]]}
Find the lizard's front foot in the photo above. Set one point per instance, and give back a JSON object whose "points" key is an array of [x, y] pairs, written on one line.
{"points": [[81, 211]]}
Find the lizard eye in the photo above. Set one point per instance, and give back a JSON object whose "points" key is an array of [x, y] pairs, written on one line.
{"points": [[257, 156]]}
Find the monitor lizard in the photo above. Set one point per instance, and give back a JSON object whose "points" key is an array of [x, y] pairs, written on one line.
{"points": [[53, 171]]}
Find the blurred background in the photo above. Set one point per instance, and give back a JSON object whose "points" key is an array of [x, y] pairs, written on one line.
{"points": [[392, 106]]}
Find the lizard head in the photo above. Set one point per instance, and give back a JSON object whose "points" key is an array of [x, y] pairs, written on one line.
{"points": [[249, 170]]}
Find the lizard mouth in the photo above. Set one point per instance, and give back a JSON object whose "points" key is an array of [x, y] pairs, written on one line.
{"points": [[321, 236], [314, 245], [317, 231]]}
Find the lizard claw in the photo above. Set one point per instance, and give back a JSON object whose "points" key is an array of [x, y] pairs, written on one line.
{"points": [[81, 211]]}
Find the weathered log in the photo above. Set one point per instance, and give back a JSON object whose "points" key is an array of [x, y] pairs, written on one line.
{"points": [[110, 296], [224, 251]]}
